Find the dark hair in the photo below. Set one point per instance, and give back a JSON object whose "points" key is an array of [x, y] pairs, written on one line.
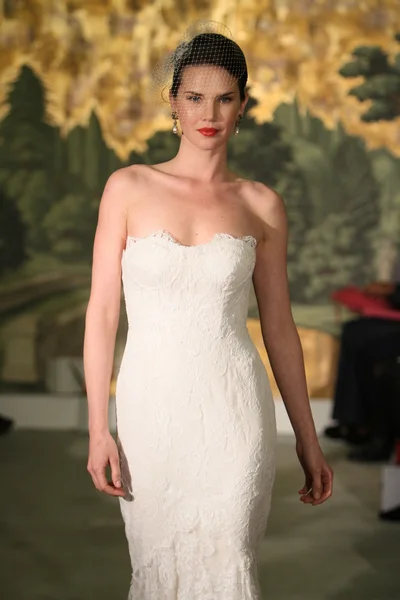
{"points": [[210, 49]]}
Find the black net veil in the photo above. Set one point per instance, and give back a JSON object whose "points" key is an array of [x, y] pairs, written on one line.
{"points": [[206, 61]]}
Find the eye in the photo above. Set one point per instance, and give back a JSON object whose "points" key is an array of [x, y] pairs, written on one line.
{"points": [[193, 98], [225, 99]]}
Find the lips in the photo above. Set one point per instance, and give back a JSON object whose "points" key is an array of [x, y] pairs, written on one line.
{"points": [[208, 131]]}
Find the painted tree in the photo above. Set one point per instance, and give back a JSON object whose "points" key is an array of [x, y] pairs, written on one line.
{"points": [[381, 82], [12, 235], [339, 249], [381, 87], [55, 182], [26, 146]]}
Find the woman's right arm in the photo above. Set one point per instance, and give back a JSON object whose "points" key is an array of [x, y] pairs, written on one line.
{"points": [[101, 325]]}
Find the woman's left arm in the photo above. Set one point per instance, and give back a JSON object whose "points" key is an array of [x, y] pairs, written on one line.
{"points": [[283, 345]]}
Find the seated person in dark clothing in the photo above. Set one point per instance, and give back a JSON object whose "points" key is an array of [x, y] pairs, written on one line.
{"points": [[6, 424], [367, 345]]}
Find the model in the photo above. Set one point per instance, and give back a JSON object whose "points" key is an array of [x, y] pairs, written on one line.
{"points": [[194, 460]]}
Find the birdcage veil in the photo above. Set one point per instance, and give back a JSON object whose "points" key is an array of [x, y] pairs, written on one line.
{"points": [[205, 43]]}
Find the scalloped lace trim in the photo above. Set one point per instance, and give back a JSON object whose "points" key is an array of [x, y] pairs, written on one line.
{"points": [[164, 233]]}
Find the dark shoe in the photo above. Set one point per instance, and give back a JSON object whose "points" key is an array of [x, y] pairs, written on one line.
{"points": [[335, 432], [390, 515], [348, 434], [355, 438], [378, 450], [5, 425]]}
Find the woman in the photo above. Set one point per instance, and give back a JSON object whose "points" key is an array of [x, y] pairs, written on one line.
{"points": [[194, 466], [369, 345]]}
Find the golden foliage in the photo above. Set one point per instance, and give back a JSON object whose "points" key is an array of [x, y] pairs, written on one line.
{"points": [[98, 55]]}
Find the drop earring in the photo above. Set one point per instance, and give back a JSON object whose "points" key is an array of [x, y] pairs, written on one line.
{"points": [[175, 126], [240, 117]]}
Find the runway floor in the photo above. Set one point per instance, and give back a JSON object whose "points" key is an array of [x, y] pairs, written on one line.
{"points": [[62, 540]]}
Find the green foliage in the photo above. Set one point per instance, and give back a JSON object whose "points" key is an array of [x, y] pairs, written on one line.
{"points": [[28, 94], [161, 147], [377, 88], [305, 127], [381, 82], [56, 183], [342, 191], [358, 190], [30, 189], [259, 150], [316, 167], [371, 60], [70, 226], [326, 260], [358, 198], [12, 236], [25, 151], [314, 148], [386, 169], [292, 187]]}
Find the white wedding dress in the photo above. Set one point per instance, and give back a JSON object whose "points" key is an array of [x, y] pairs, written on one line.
{"points": [[196, 420]]}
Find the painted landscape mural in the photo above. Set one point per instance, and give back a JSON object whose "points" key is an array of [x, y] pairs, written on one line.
{"points": [[322, 128]]}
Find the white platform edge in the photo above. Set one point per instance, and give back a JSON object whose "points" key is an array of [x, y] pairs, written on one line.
{"points": [[69, 412]]}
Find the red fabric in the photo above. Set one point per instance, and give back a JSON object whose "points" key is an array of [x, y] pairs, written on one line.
{"points": [[358, 301]]}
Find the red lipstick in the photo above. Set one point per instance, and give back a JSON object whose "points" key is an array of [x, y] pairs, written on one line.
{"points": [[208, 131]]}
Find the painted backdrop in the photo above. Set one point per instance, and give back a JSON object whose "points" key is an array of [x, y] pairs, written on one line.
{"points": [[322, 128]]}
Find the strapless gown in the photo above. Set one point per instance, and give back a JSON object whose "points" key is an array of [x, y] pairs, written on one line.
{"points": [[195, 421]]}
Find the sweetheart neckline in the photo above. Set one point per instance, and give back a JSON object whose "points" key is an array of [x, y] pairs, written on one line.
{"points": [[253, 242]]}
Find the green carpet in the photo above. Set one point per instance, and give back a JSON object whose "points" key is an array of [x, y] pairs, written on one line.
{"points": [[62, 540]]}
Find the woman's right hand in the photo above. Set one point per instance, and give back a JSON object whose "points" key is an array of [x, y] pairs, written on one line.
{"points": [[103, 452]]}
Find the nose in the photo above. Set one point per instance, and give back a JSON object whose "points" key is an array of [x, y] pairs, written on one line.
{"points": [[209, 111]]}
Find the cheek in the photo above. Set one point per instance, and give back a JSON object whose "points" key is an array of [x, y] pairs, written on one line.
{"points": [[188, 113], [230, 113]]}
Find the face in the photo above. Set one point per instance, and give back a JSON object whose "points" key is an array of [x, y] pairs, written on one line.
{"points": [[208, 104]]}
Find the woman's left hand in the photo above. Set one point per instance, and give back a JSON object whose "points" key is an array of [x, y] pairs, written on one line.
{"points": [[318, 474]]}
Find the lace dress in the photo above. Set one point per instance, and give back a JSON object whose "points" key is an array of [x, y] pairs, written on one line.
{"points": [[196, 421]]}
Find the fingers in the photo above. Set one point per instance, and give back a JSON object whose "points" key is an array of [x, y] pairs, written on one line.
{"points": [[115, 472], [307, 485], [112, 491], [101, 483], [107, 487], [307, 497], [305, 492], [322, 485], [327, 485], [317, 485], [318, 488]]}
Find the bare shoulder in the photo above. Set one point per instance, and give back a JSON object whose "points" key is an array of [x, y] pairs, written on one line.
{"points": [[124, 179], [121, 189], [268, 206]]}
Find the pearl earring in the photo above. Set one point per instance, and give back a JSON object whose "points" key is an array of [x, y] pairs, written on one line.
{"points": [[175, 126], [240, 117]]}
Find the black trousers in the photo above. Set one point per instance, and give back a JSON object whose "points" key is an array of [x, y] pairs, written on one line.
{"points": [[366, 344]]}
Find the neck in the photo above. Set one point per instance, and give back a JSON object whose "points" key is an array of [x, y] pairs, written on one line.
{"points": [[202, 165]]}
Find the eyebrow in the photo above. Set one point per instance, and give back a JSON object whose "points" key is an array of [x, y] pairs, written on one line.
{"points": [[199, 94]]}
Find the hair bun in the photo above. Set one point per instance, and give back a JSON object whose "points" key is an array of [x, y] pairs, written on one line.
{"points": [[204, 42]]}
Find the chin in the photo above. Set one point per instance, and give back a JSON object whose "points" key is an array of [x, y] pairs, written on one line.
{"points": [[214, 140]]}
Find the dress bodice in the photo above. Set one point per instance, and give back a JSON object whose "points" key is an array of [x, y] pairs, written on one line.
{"points": [[206, 285]]}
